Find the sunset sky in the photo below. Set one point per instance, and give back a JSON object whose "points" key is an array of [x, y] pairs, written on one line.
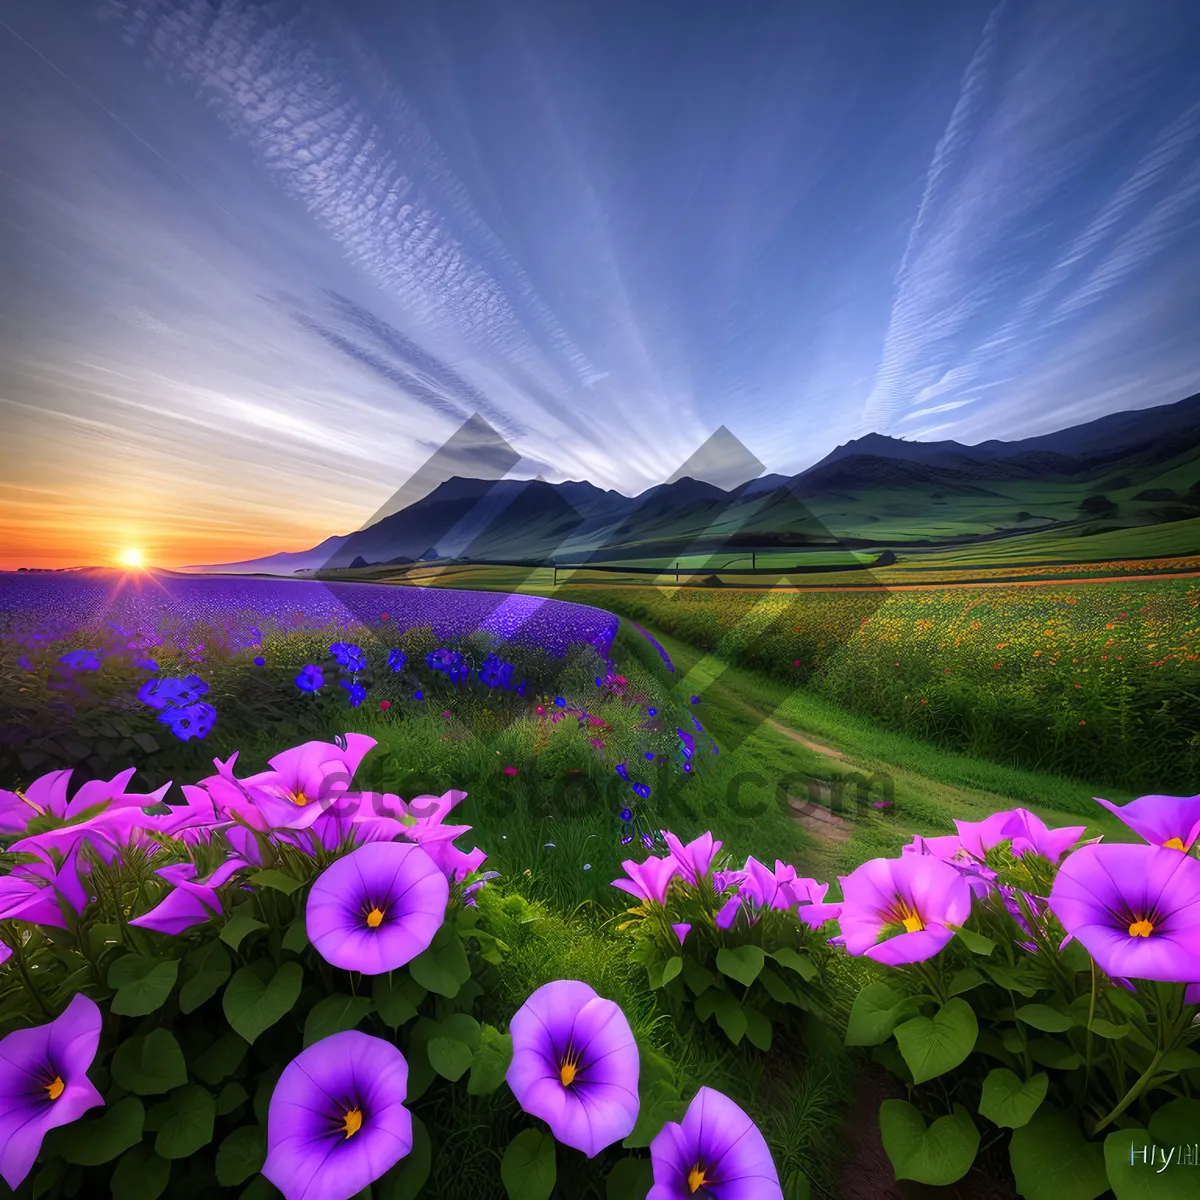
{"points": [[259, 260]]}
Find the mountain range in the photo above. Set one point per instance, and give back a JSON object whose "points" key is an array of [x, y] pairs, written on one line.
{"points": [[1127, 469]]}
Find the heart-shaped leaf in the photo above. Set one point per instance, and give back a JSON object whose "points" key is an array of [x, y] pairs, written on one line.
{"points": [[449, 1057], [1045, 1018], [1052, 1160], [189, 1122], [1009, 1101], [939, 1155], [491, 1061], [931, 1046], [208, 968], [335, 1014], [252, 1006], [742, 963], [150, 1065], [143, 984], [875, 1013], [528, 1169], [241, 1155]]}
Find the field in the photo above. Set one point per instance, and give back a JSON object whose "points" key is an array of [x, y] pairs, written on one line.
{"points": [[824, 732]]}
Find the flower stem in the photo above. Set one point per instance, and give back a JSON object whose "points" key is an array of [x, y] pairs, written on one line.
{"points": [[1133, 1093]]}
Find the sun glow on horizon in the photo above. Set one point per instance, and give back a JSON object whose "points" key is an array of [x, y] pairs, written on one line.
{"points": [[132, 558]]}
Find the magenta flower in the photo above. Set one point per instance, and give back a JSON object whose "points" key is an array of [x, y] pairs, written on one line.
{"points": [[42, 893], [310, 777], [1135, 909], [695, 860], [575, 1065], [1172, 821], [682, 930], [44, 1083], [909, 901], [760, 888], [188, 903], [377, 908], [648, 880], [716, 1151], [337, 1120], [47, 796]]}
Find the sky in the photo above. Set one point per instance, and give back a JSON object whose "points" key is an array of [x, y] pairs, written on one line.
{"points": [[260, 259]]}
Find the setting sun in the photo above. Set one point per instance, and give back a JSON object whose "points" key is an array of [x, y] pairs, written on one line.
{"points": [[133, 559]]}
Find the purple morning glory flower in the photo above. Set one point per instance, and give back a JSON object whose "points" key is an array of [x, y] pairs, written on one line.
{"points": [[377, 908], [24, 663], [397, 660], [310, 679], [915, 897], [351, 657], [358, 693], [337, 1120], [190, 721], [648, 880], [696, 858], [623, 771], [44, 1083], [1135, 909], [159, 693], [82, 660], [575, 1065], [626, 814], [1172, 821], [188, 903], [715, 1151]]}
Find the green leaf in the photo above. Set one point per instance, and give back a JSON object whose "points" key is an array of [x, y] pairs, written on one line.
{"points": [[802, 964], [295, 941], [276, 880], [776, 988], [440, 971], [449, 1057], [671, 968], [1046, 1052], [189, 1124], [208, 969], [727, 1011], [150, 1065], [1045, 1018], [742, 963], [934, 1045], [875, 1013], [462, 1027], [1183, 1059], [1010, 1102], [140, 1175], [335, 1014], [758, 1028], [697, 977], [1014, 979], [1051, 1159], [630, 1179], [91, 1143], [1107, 1029], [975, 942], [241, 1155], [939, 1155], [220, 1060], [252, 1006], [797, 1187], [265, 1090], [491, 1061], [660, 1103], [965, 980], [1176, 1122], [146, 743], [238, 928], [397, 1000], [142, 984], [406, 1179], [528, 1169], [233, 1096]]}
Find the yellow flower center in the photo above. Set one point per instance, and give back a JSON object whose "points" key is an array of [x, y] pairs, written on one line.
{"points": [[696, 1179], [569, 1069], [1142, 928], [1174, 844], [352, 1122], [56, 1088], [904, 914], [300, 798], [375, 918]]}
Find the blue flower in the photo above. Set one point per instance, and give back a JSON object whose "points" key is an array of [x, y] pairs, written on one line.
{"points": [[24, 663], [310, 679], [190, 721], [623, 771], [260, 662], [418, 695], [495, 672], [642, 790], [695, 699], [397, 660], [357, 692], [83, 660], [649, 756], [652, 712], [350, 656], [161, 693], [148, 664], [560, 702], [626, 815]]}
